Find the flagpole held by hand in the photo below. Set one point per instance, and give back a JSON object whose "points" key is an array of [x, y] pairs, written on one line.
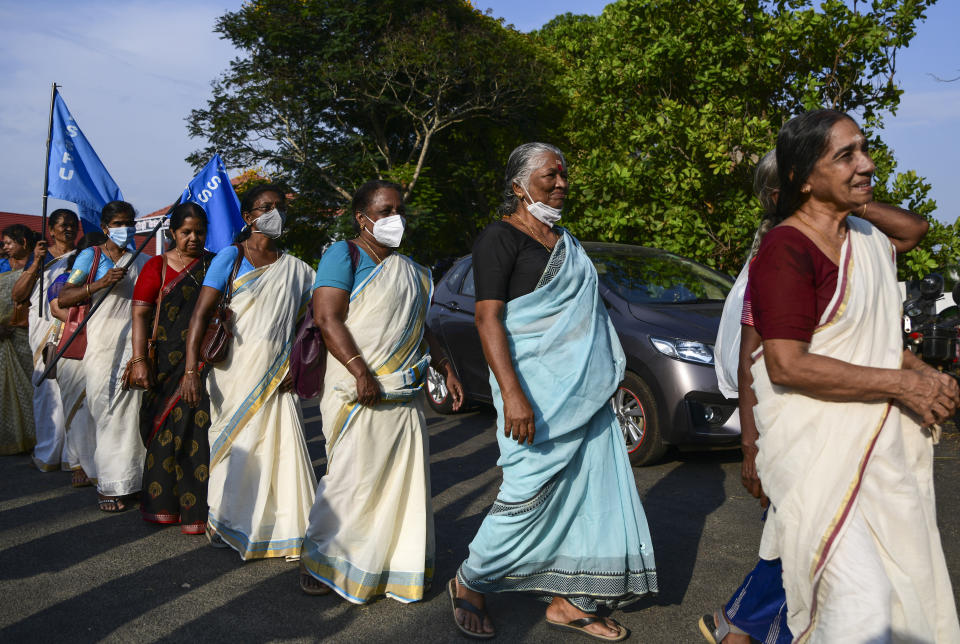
{"points": [[96, 305], [46, 185]]}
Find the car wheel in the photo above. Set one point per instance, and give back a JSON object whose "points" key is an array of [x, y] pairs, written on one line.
{"points": [[636, 411], [438, 396]]}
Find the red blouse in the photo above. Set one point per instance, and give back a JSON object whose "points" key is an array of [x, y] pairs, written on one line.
{"points": [[148, 285], [791, 283]]}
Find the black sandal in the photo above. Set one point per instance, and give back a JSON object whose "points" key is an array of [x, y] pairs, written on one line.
{"points": [[580, 626], [111, 504], [463, 604]]}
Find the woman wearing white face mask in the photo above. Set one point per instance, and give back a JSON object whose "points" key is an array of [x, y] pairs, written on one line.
{"points": [[119, 453], [371, 528], [567, 526], [261, 481]]}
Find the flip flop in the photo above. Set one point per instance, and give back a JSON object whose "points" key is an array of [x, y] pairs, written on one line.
{"points": [[463, 604], [714, 630], [580, 626]]}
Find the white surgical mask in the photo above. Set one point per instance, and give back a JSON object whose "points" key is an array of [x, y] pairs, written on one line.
{"points": [[270, 223], [121, 236], [388, 230], [542, 211]]}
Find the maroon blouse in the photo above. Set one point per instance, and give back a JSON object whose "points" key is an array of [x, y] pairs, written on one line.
{"points": [[791, 283]]}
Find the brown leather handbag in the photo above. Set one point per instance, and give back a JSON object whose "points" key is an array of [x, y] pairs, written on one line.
{"points": [[76, 315], [216, 341]]}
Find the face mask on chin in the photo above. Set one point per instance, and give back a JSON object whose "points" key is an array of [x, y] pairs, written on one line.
{"points": [[388, 231], [270, 224], [541, 211]]}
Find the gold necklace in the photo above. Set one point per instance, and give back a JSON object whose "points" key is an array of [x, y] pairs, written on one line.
{"points": [[532, 233], [247, 248], [823, 238], [183, 267], [370, 250]]}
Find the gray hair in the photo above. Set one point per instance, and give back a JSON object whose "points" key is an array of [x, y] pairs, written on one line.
{"points": [[520, 165], [766, 185]]}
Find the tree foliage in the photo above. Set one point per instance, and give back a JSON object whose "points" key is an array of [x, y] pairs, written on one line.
{"points": [[332, 93], [671, 104]]}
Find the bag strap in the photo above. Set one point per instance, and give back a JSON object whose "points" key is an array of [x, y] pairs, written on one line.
{"points": [[354, 252], [156, 311], [228, 289], [97, 252]]}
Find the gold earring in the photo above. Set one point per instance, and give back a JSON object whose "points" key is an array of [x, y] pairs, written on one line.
{"points": [[805, 190]]}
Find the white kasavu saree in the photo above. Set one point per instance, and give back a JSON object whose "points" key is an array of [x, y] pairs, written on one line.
{"points": [[261, 482], [568, 520], [119, 451], [371, 528], [80, 439], [47, 407], [820, 462]]}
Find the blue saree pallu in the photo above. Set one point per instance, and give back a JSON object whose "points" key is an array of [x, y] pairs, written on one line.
{"points": [[568, 520]]}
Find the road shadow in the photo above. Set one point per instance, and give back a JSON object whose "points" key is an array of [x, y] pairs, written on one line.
{"points": [[94, 614], [677, 507]]}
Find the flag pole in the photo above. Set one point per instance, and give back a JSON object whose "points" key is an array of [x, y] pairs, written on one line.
{"points": [[96, 306], [46, 185]]}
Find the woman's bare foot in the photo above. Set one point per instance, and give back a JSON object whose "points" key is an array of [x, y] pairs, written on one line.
{"points": [[465, 618], [562, 611]]}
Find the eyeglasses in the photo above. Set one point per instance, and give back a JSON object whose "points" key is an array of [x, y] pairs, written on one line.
{"points": [[267, 207]]}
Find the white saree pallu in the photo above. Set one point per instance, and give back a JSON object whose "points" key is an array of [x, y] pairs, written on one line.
{"points": [[119, 451], [261, 482], [833, 468], [80, 440], [47, 408], [371, 528]]}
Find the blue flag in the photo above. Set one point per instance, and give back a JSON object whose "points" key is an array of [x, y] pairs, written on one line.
{"points": [[211, 189], [75, 172]]}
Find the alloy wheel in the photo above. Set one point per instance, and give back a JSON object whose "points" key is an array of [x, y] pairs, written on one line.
{"points": [[630, 415]]}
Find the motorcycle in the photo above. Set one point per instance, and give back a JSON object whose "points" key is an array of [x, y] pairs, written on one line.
{"points": [[933, 337]]}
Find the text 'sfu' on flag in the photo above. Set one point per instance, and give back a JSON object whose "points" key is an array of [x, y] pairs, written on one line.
{"points": [[212, 190], [75, 172]]}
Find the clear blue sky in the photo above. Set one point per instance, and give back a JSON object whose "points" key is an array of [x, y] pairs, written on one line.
{"points": [[131, 71]]}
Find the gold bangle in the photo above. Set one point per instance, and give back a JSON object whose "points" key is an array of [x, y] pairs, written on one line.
{"points": [[136, 360], [351, 360], [89, 296], [864, 211], [189, 372], [442, 360]]}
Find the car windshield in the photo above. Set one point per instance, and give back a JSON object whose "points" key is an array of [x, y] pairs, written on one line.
{"points": [[655, 277]]}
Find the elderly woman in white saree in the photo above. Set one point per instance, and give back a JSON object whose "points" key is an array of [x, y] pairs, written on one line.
{"points": [[371, 528], [847, 467], [119, 451], [261, 481], [47, 406], [567, 526], [80, 430]]}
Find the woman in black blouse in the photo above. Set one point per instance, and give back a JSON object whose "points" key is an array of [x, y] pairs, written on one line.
{"points": [[567, 525]]}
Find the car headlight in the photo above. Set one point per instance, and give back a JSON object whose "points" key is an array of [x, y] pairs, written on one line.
{"points": [[686, 350]]}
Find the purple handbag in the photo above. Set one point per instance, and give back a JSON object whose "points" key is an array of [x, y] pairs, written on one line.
{"points": [[308, 357]]}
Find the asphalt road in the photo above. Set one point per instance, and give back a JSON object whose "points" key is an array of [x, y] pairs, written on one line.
{"points": [[71, 573]]}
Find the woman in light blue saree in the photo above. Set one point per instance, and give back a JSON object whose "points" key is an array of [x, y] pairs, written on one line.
{"points": [[567, 525]]}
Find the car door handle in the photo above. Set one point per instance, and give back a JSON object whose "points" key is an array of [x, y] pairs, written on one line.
{"points": [[453, 306]]}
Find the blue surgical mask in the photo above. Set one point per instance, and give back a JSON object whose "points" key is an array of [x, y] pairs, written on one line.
{"points": [[122, 237]]}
